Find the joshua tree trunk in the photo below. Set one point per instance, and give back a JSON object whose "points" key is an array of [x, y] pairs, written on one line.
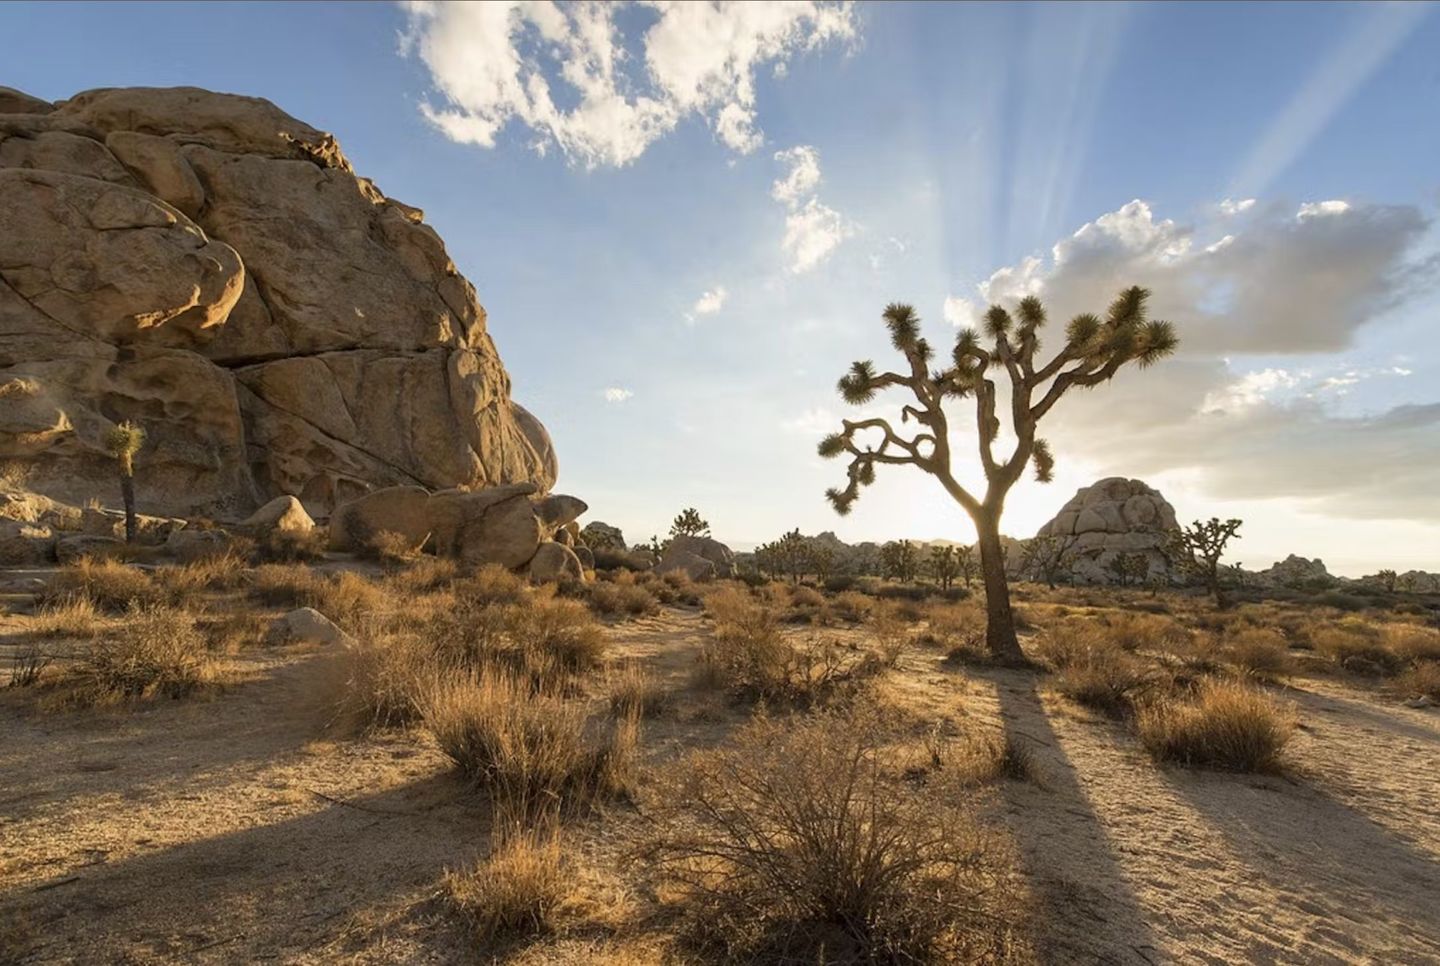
{"points": [[127, 491], [999, 618]]}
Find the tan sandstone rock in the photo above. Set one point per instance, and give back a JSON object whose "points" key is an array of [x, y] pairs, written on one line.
{"points": [[212, 268], [284, 513], [1110, 517], [554, 562]]}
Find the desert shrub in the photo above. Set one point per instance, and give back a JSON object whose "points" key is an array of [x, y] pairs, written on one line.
{"points": [[28, 665], [347, 597], [853, 606], [491, 584], [1106, 680], [218, 571], [516, 891], [390, 548], [1356, 647], [1422, 680], [803, 596], [110, 585], [634, 693], [157, 652], [291, 546], [795, 845], [530, 751], [1131, 631], [229, 633], [840, 583], [749, 656], [980, 759], [380, 679], [1342, 601], [1225, 724], [959, 629], [1259, 652], [558, 630], [1413, 643], [284, 585], [423, 575], [611, 598], [72, 616]]}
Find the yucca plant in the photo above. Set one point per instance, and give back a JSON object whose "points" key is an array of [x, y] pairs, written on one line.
{"points": [[1093, 351], [123, 441]]}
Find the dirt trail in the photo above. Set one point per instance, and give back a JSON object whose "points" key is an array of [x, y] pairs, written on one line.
{"points": [[232, 829]]}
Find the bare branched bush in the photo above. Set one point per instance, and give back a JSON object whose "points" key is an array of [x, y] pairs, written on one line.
{"points": [[28, 665], [1225, 724], [795, 845]]}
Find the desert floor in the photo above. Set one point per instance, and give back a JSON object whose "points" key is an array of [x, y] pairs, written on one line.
{"points": [[238, 827]]}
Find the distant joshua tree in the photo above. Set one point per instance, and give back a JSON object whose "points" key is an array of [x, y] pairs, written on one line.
{"points": [[1046, 558], [965, 562], [1129, 568], [944, 566], [689, 524], [900, 560], [1387, 579], [123, 441], [1093, 351], [1195, 550]]}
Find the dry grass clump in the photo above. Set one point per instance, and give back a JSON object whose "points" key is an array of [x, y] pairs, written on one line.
{"points": [[391, 548], [284, 585], [980, 759], [749, 656], [529, 750], [220, 571], [1225, 724], [1357, 647], [1421, 681], [1132, 631], [424, 575], [556, 630], [72, 616], [1259, 652], [292, 546], [381, 677], [491, 584], [1413, 643], [515, 892], [156, 653], [959, 629], [345, 598], [612, 598], [110, 585], [634, 693], [231, 632], [852, 606], [1091, 668], [795, 845]]}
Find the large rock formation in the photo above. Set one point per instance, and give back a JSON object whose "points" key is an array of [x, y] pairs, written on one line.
{"points": [[1111, 517], [213, 269]]}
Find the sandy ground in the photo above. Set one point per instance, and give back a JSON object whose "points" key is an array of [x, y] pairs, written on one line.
{"points": [[234, 829]]}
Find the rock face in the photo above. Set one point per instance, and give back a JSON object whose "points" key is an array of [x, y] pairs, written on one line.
{"points": [[1111, 517], [1296, 571], [699, 557], [214, 269]]}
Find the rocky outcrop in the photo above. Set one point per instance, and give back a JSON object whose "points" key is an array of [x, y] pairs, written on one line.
{"points": [[699, 557], [1296, 571], [505, 525], [1111, 517], [602, 536], [213, 269]]}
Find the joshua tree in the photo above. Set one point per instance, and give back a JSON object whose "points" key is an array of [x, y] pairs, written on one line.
{"points": [[689, 524], [1387, 579], [123, 441], [965, 561], [1094, 350], [1129, 568], [944, 566], [1196, 551], [1045, 558], [900, 560]]}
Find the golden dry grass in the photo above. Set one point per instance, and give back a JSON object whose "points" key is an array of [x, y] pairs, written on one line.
{"points": [[1225, 725], [156, 652]]}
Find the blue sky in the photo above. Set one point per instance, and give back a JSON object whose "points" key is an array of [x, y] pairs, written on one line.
{"points": [[1286, 159]]}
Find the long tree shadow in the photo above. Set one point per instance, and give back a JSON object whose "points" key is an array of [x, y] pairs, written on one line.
{"points": [[1090, 912], [1322, 859], [283, 890]]}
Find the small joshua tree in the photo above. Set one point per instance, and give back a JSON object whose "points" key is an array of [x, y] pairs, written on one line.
{"points": [[944, 566], [1047, 557], [1129, 568], [1094, 349], [689, 524], [965, 562], [1387, 579], [1196, 550], [123, 441]]}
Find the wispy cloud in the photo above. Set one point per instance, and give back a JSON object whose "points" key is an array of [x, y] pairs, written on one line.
{"points": [[712, 301], [615, 394], [567, 72], [813, 230]]}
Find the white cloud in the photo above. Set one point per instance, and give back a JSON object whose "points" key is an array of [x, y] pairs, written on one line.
{"points": [[709, 303], [813, 230], [572, 76], [615, 394], [960, 313], [1229, 207], [1318, 209], [1278, 284], [1282, 286]]}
